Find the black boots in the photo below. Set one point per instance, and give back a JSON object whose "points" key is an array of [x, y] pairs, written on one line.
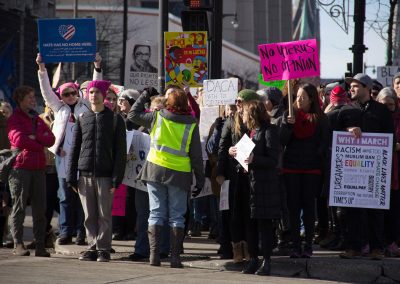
{"points": [[251, 266], [177, 235], [154, 234], [265, 268]]}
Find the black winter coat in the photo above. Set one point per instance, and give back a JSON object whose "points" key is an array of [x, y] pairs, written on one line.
{"points": [[98, 147], [265, 195], [374, 117], [308, 153]]}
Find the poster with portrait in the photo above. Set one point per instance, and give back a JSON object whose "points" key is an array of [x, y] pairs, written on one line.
{"points": [[137, 154], [185, 58], [140, 64]]}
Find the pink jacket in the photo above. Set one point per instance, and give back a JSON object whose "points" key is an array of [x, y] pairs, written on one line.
{"points": [[19, 128]]}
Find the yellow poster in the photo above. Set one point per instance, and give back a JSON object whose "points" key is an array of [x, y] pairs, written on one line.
{"points": [[185, 58]]}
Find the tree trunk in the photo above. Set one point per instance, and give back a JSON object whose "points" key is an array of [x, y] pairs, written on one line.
{"points": [[389, 50]]}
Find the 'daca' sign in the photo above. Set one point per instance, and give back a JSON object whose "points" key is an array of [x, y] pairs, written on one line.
{"points": [[289, 60], [220, 92]]}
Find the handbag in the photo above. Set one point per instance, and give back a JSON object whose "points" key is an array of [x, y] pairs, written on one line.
{"points": [[7, 159]]}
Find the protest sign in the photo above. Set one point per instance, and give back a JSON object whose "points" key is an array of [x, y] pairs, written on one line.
{"points": [[224, 196], [385, 74], [206, 190], [137, 154], [140, 64], [185, 58], [119, 201], [67, 40], [207, 117], [243, 150], [220, 92], [289, 60], [278, 84], [361, 170]]}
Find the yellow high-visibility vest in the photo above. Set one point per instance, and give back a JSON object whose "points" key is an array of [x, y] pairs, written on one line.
{"points": [[170, 142]]}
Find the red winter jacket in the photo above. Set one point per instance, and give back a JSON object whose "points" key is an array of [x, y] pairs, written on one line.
{"points": [[19, 128]]}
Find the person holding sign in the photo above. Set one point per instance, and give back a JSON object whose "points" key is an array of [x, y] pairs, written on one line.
{"points": [[264, 201], [66, 110], [229, 169], [306, 138], [365, 115], [175, 152]]}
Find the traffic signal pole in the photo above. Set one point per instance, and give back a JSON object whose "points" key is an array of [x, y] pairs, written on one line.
{"points": [[163, 27], [215, 64], [358, 47]]}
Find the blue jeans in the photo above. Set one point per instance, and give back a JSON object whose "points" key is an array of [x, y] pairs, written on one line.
{"points": [[167, 202], [71, 216], [142, 240]]}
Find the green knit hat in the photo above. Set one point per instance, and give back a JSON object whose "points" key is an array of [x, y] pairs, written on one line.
{"points": [[248, 95]]}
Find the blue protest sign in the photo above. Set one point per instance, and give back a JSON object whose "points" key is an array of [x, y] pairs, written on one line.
{"points": [[67, 40]]}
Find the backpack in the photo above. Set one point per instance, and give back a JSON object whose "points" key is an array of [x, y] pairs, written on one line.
{"points": [[7, 159]]}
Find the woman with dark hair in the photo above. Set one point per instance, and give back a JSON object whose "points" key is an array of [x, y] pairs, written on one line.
{"points": [[28, 133], [175, 152], [264, 198], [306, 138]]}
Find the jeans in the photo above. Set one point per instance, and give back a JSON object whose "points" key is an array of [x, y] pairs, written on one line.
{"points": [[71, 216], [142, 240], [167, 202]]}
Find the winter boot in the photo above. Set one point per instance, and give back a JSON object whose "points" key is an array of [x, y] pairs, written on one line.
{"points": [[41, 251], [20, 250], [251, 266], [154, 234], [177, 235], [245, 249], [237, 252], [265, 268]]}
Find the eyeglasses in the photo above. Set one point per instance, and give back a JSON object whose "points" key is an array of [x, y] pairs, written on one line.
{"points": [[68, 94], [237, 101]]}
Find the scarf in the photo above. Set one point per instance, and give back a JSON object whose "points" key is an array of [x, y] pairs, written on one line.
{"points": [[303, 128]]}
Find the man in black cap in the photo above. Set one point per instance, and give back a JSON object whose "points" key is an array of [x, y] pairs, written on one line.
{"points": [[364, 115]]}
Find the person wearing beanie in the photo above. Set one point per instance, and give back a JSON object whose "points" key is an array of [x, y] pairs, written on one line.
{"points": [[376, 88], [98, 133], [66, 108], [364, 115], [239, 187]]}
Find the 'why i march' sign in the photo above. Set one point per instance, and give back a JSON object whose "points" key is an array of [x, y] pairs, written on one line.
{"points": [[289, 60], [67, 40]]}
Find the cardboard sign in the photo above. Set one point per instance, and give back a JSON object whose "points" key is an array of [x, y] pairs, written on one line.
{"points": [[137, 154], [361, 170], [289, 60], [67, 40], [220, 92], [141, 64], [385, 74], [119, 201], [185, 58], [208, 115]]}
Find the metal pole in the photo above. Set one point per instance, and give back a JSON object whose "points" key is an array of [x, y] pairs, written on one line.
{"points": [[124, 39], [75, 16], [216, 46], [358, 47], [163, 27]]}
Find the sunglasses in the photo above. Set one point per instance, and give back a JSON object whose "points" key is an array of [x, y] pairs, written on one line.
{"points": [[68, 94], [238, 101]]}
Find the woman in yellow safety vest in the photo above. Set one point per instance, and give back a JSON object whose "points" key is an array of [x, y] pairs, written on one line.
{"points": [[175, 153]]}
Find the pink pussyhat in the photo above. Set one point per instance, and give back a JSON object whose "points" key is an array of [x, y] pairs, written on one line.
{"points": [[101, 85], [68, 85]]}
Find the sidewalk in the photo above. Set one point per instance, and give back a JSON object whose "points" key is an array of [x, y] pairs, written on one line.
{"points": [[201, 253]]}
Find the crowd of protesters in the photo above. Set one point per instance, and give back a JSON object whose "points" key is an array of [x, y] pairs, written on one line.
{"points": [[72, 159]]}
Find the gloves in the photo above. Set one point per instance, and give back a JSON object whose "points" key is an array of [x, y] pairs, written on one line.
{"points": [[151, 91], [196, 191]]}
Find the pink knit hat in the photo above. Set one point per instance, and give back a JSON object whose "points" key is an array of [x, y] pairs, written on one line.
{"points": [[101, 85], [67, 85]]}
